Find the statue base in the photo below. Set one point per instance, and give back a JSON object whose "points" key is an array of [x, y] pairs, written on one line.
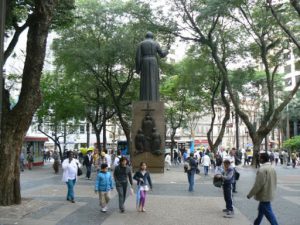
{"points": [[152, 150]]}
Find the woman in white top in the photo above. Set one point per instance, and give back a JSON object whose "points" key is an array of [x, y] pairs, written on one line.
{"points": [[70, 168]]}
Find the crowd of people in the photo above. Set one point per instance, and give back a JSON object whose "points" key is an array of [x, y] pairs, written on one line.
{"points": [[114, 172], [111, 171]]}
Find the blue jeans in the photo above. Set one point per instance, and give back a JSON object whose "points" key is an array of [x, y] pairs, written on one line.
{"points": [[70, 184], [265, 209], [191, 179], [205, 170], [227, 189]]}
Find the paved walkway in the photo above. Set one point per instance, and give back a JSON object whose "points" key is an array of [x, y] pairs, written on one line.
{"points": [[169, 202]]}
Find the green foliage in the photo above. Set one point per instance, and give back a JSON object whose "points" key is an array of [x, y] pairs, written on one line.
{"points": [[18, 12], [60, 100], [292, 143]]}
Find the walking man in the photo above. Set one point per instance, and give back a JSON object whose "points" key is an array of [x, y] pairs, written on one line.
{"points": [[88, 161], [122, 174], [263, 190]]}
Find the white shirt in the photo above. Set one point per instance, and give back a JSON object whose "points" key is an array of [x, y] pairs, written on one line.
{"points": [[276, 155], [108, 160], [206, 160], [224, 155], [168, 159], [232, 160], [70, 169], [117, 160]]}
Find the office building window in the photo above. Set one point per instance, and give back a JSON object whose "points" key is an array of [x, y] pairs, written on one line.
{"points": [[82, 129], [287, 69], [297, 65], [287, 56], [288, 82]]}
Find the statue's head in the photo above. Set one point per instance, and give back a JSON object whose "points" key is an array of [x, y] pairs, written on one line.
{"points": [[149, 35]]}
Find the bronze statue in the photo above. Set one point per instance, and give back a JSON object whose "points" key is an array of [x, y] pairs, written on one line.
{"points": [[156, 142], [140, 141], [147, 67]]}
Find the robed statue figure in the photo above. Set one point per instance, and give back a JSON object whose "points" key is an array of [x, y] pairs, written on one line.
{"points": [[147, 67]]}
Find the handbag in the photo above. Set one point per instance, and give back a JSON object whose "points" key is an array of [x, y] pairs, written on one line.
{"points": [[79, 170], [144, 188], [237, 175], [218, 180]]}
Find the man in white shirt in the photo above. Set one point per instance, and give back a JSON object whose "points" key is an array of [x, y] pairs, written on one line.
{"points": [[206, 163], [108, 160]]}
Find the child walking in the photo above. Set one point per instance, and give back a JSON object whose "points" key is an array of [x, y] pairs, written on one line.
{"points": [[103, 186], [144, 184]]}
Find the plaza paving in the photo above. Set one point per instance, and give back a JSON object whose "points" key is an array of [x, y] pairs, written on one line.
{"points": [[169, 203]]}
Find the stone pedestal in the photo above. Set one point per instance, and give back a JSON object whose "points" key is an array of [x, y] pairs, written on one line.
{"points": [[150, 151]]}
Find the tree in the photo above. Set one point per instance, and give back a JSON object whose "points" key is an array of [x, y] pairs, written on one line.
{"points": [[292, 143], [287, 23], [38, 16], [100, 50], [61, 108], [222, 27]]}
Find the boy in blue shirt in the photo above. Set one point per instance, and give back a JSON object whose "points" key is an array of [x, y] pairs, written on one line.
{"points": [[103, 185]]}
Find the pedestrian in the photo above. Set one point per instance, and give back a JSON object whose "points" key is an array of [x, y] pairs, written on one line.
{"points": [[276, 157], [70, 167], [103, 186], [56, 162], [264, 189], [206, 163], [168, 161], [88, 162], [228, 174], [190, 168], [117, 159], [272, 157], [108, 159], [29, 160], [101, 160], [122, 174], [144, 184], [231, 158], [176, 162], [294, 158], [21, 161]]}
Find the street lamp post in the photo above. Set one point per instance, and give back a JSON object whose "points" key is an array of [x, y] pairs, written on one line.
{"points": [[2, 28]]}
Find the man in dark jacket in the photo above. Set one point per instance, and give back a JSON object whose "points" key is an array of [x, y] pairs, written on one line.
{"points": [[227, 188], [88, 161], [122, 174], [191, 170]]}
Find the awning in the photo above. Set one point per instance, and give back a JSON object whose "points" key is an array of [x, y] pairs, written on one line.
{"points": [[37, 139]]}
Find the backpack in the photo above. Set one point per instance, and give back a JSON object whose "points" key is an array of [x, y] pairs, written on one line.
{"points": [[218, 180]]}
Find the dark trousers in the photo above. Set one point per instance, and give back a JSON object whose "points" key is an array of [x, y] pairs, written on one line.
{"points": [[265, 209], [88, 171], [122, 190], [234, 182], [227, 190]]}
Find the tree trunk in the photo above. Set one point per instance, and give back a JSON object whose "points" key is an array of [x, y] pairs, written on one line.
{"points": [[257, 140], [87, 134], [104, 133], [17, 121]]}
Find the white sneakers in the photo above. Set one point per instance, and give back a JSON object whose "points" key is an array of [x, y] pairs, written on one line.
{"points": [[104, 209]]}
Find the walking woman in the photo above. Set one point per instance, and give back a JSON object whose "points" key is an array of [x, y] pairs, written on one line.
{"points": [[70, 167], [144, 184]]}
